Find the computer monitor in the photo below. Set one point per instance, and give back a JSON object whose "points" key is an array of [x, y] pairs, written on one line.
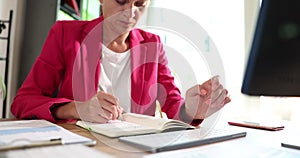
{"points": [[273, 67]]}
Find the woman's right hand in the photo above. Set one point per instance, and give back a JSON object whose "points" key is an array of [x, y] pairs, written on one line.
{"points": [[100, 108]]}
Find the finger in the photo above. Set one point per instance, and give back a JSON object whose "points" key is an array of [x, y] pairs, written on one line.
{"points": [[108, 97], [120, 110], [203, 92], [214, 93], [215, 83], [109, 103], [115, 112], [208, 101], [207, 87], [112, 109], [227, 100], [217, 92], [218, 101], [105, 114], [220, 95], [208, 83], [206, 94], [212, 83], [214, 107], [198, 89]]}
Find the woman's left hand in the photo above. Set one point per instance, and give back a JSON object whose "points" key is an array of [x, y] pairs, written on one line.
{"points": [[205, 99]]}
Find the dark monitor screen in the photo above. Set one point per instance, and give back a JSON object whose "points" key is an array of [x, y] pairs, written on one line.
{"points": [[273, 67]]}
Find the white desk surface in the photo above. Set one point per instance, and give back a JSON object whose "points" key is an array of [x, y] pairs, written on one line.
{"points": [[257, 143]]}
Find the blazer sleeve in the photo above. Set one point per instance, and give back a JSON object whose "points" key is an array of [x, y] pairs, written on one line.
{"points": [[36, 96], [169, 94]]}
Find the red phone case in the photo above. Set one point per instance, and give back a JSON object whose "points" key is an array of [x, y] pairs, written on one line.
{"points": [[256, 126]]}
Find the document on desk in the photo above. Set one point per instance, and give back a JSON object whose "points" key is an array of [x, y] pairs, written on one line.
{"points": [[34, 133], [65, 151]]}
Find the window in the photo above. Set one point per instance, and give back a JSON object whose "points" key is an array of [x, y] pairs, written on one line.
{"points": [[78, 10], [224, 23], [90, 9], [230, 25]]}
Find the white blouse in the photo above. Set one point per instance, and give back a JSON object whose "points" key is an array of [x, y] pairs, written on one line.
{"points": [[115, 76]]}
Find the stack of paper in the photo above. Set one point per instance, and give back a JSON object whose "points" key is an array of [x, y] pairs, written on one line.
{"points": [[33, 133]]}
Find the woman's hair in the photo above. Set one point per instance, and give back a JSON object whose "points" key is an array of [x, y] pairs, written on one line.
{"points": [[101, 12]]}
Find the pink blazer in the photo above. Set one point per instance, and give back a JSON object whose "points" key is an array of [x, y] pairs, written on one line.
{"points": [[68, 69]]}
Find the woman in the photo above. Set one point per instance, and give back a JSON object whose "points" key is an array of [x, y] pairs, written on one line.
{"points": [[130, 65]]}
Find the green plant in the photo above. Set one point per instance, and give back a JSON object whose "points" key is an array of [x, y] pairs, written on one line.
{"points": [[2, 87]]}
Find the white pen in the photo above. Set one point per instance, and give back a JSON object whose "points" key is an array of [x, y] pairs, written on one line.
{"points": [[100, 88]]}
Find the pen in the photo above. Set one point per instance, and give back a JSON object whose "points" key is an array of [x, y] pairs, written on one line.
{"points": [[51, 142], [100, 88], [159, 109]]}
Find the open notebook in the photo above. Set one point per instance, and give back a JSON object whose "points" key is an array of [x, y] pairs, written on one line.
{"points": [[181, 139], [135, 124]]}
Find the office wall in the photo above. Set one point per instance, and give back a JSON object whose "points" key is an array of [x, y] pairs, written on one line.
{"points": [[40, 16], [31, 22], [251, 11], [18, 7]]}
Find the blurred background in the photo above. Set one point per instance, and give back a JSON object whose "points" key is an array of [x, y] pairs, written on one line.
{"points": [[229, 24]]}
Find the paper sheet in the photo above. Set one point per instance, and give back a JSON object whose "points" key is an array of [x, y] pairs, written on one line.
{"points": [[61, 151], [26, 131]]}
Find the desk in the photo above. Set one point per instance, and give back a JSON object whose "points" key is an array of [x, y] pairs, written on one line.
{"points": [[256, 143]]}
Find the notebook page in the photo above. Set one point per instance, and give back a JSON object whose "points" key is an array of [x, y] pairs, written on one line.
{"points": [[144, 120], [116, 128]]}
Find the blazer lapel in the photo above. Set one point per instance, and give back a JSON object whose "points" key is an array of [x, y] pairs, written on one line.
{"points": [[87, 63], [138, 59]]}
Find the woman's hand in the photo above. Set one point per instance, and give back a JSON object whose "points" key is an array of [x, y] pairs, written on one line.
{"points": [[205, 99], [100, 108]]}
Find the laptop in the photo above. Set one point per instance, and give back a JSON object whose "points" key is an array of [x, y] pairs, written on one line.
{"points": [[181, 139]]}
